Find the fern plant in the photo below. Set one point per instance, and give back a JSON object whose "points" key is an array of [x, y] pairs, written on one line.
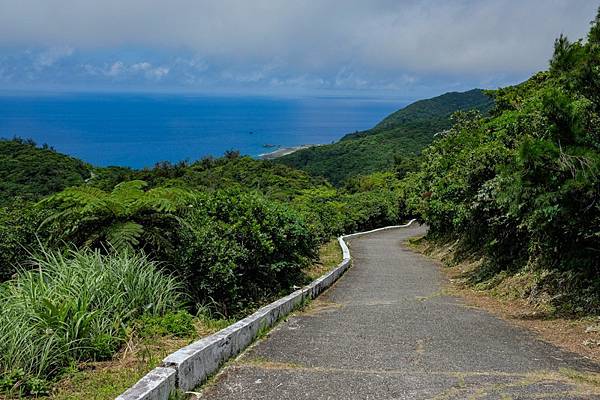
{"points": [[128, 217]]}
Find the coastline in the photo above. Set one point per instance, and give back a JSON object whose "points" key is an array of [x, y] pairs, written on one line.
{"points": [[284, 151]]}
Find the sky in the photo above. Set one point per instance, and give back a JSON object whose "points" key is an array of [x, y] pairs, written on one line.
{"points": [[401, 48]]}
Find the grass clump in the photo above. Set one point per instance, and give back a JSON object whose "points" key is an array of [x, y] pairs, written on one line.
{"points": [[330, 255], [179, 324], [74, 307]]}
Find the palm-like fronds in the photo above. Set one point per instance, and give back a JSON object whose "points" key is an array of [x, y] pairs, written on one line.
{"points": [[124, 218]]}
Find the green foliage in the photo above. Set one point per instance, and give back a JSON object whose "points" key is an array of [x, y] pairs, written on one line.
{"points": [[107, 178], [275, 181], [324, 210], [242, 248], [239, 231], [523, 185], [29, 172], [366, 202], [18, 226], [402, 134], [72, 308], [232, 171], [126, 218], [234, 248], [179, 323]]}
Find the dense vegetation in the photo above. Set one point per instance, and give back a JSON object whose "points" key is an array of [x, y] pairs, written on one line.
{"points": [[523, 185], [225, 235], [30, 172], [231, 171], [74, 307], [89, 260], [396, 140]]}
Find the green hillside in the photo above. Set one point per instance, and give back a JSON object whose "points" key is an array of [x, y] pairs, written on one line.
{"points": [[31, 172], [400, 135]]}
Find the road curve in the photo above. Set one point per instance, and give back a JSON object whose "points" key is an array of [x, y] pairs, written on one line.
{"points": [[387, 331]]}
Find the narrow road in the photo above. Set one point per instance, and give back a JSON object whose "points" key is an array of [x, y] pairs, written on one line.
{"points": [[386, 331]]}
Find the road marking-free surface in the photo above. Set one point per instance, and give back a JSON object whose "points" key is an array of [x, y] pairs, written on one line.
{"points": [[387, 331]]}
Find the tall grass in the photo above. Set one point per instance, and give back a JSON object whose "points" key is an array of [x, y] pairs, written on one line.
{"points": [[73, 308]]}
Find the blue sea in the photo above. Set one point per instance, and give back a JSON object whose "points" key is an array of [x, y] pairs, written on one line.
{"points": [[138, 130]]}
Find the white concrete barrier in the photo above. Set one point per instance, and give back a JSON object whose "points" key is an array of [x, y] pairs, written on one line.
{"points": [[157, 384], [191, 365]]}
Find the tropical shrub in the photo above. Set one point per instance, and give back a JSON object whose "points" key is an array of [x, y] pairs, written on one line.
{"points": [[241, 248], [372, 209], [372, 201], [366, 202], [232, 248], [128, 217], [324, 211]]}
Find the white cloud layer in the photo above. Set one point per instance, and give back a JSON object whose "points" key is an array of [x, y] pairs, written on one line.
{"points": [[342, 42]]}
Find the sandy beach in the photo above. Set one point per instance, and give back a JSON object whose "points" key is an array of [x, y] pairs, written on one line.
{"points": [[284, 151]]}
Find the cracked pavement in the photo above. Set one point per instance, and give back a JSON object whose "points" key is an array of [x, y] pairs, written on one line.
{"points": [[386, 330]]}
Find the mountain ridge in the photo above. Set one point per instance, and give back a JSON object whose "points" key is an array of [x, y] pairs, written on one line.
{"points": [[402, 134]]}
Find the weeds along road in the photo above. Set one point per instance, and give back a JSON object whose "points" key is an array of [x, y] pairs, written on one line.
{"points": [[387, 331]]}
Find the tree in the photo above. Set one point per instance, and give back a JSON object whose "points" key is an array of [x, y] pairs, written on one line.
{"points": [[127, 217]]}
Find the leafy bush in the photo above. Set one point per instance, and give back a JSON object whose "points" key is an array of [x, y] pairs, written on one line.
{"points": [[241, 248], [366, 202], [232, 171], [18, 228], [276, 181], [232, 248], [373, 201], [372, 209], [324, 211], [74, 307]]}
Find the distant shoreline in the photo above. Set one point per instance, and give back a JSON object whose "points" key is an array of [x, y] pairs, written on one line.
{"points": [[284, 151], [176, 128]]}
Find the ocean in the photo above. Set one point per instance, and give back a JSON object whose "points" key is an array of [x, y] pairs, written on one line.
{"points": [[138, 130]]}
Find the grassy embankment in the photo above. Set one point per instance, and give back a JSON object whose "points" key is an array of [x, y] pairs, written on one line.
{"points": [[145, 349]]}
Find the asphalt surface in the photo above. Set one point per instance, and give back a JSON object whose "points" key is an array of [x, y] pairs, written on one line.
{"points": [[385, 330]]}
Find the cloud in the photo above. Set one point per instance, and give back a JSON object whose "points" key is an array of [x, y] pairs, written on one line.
{"points": [[51, 56], [121, 70], [334, 43], [115, 69], [149, 71]]}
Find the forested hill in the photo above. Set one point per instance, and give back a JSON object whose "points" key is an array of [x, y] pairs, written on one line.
{"points": [[31, 172], [395, 140], [437, 108]]}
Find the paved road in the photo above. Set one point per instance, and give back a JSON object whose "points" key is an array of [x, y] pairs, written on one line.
{"points": [[385, 331]]}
